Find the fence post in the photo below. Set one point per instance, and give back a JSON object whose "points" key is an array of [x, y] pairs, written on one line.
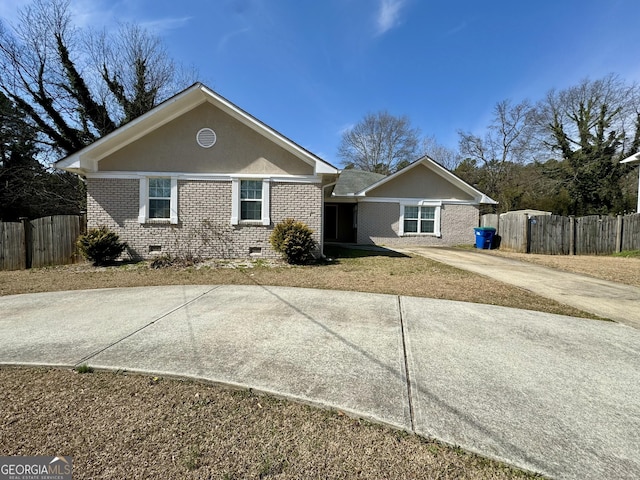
{"points": [[28, 254], [619, 233]]}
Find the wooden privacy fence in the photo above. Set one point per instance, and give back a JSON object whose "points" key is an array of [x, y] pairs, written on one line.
{"points": [[40, 242], [558, 235]]}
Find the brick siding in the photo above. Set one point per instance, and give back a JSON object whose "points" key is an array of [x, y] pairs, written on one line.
{"points": [[379, 223], [204, 216]]}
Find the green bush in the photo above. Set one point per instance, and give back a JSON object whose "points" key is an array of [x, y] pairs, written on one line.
{"points": [[294, 241], [100, 245]]}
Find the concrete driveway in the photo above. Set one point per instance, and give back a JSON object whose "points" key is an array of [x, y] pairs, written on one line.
{"points": [[609, 300], [552, 394]]}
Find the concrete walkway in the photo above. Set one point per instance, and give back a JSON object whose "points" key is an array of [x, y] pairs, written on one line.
{"points": [[552, 394], [609, 300]]}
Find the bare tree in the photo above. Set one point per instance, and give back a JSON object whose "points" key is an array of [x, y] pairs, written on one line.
{"points": [[445, 156], [76, 90], [150, 74], [508, 141], [380, 143]]}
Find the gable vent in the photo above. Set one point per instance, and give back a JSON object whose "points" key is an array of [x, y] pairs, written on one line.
{"points": [[206, 137]]}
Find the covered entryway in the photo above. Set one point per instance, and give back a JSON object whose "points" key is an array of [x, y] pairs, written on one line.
{"points": [[340, 222]]}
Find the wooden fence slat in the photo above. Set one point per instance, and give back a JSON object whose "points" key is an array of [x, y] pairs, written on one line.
{"points": [[52, 241], [558, 235], [549, 235], [631, 232], [12, 246], [512, 231]]}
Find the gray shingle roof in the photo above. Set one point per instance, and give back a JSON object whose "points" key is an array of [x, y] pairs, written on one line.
{"points": [[352, 181]]}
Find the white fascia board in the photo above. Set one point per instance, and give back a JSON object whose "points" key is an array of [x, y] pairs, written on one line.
{"points": [[173, 107], [439, 170], [86, 159], [384, 180], [207, 176], [457, 181], [417, 201], [633, 159], [320, 166], [487, 200]]}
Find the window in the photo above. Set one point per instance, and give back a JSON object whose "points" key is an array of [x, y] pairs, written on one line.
{"points": [[251, 200], [420, 219], [250, 203], [159, 197], [158, 200]]}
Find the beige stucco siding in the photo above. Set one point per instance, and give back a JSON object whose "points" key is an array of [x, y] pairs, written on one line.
{"points": [[379, 223], [419, 182], [204, 214], [173, 148]]}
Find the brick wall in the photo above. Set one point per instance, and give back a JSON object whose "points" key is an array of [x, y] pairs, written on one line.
{"points": [[204, 213], [379, 223]]}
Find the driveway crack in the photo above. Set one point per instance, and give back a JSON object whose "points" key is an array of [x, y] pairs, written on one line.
{"points": [[120, 340], [406, 364]]}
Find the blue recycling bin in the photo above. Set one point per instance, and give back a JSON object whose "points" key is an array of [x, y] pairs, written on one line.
{"points": [[484, 237]]}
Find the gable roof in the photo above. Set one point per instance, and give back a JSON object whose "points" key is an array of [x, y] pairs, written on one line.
{"points": [[86, 160], [352, 181], [439, 170]]}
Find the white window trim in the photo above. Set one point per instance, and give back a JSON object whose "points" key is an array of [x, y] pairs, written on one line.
{"points": [[235, 202], [143, 212], [436, 220]]}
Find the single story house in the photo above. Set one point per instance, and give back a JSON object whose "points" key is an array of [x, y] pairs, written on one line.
{"points": [[199, 175]]}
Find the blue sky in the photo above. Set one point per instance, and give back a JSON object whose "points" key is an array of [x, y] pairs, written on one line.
{"points": [[312, 68]]}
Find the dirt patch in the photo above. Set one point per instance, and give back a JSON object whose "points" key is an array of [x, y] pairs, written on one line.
{"points": [[132, 426], [351, 270], [615, 269]]}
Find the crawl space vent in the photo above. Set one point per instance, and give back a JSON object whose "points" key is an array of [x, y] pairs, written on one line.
{"points": [[206, 137]]}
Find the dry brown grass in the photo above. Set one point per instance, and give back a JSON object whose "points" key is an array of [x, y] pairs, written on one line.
{"points": [[131, 426], [353, 270], [615, 269]]}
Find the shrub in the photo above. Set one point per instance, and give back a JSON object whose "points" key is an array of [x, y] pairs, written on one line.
{"points": [[166, 261], [84, 368], [294, 241], [100, 245]]}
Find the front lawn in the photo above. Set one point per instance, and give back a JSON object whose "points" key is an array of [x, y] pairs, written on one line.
{"points": [[355, 270]]}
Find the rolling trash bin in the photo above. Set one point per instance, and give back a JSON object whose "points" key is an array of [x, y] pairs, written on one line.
{"points": [[484, 237]]}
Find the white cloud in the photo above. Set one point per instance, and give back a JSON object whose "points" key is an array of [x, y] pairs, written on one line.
{"points": [[458, 28], [162, 25], [388, 15], [86, 13]]}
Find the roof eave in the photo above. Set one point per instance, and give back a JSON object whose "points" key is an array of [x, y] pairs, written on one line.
{"points": [[632, 160], [86, 159]]}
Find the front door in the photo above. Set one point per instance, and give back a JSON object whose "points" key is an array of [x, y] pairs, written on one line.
{"points": [[339, 222], [331, 223]]}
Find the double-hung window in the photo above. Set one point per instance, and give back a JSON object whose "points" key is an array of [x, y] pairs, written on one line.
{"points": [[420, 219], [250, 203], [250, 199], [160, 198]]}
